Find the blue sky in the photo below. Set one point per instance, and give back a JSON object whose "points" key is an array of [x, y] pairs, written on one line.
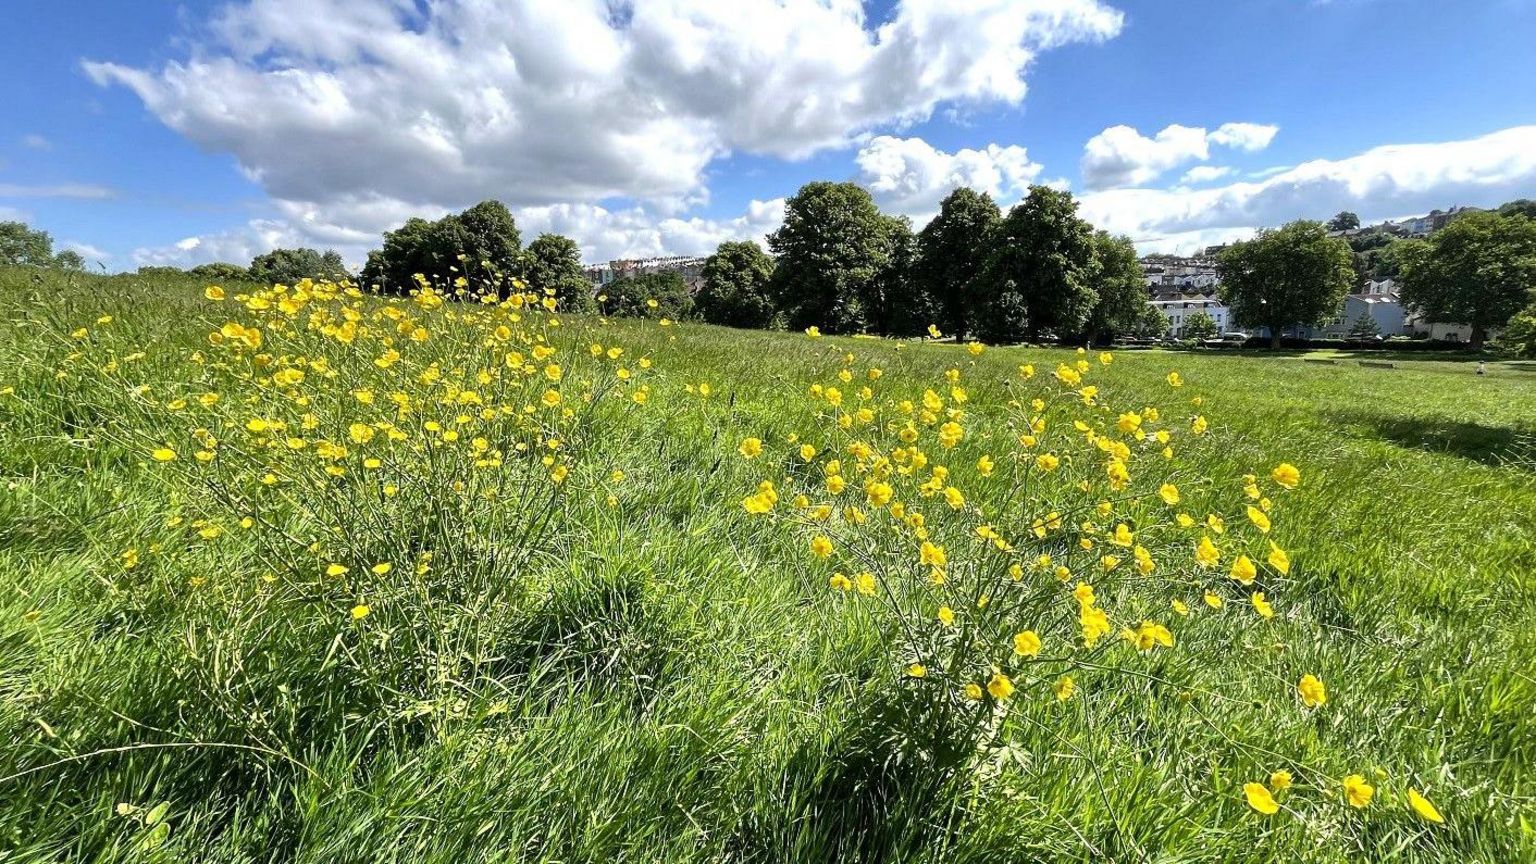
{"points": [[182, 133]]}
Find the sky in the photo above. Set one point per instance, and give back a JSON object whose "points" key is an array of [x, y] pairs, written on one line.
{"points": [[177, 134]]}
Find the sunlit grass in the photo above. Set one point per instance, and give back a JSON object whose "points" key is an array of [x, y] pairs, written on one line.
{"points": [[635, 668]]}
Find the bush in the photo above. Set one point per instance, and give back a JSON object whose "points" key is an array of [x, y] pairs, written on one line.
{"points": [[652, 295]]}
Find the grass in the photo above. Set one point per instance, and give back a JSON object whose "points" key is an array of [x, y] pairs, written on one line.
{"points": [[660, 677]]}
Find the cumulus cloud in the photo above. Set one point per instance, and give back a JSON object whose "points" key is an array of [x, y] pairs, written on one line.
{"points": [[86, 250], [345, 110], [1121, 156], [1204, 174], [1379, 183], [602, 233], [909, 176]]}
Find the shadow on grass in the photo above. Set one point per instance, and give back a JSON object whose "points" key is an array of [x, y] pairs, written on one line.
{"points": [[1499, 446]]}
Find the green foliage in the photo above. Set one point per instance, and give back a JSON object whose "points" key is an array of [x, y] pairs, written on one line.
{"points": [[1480, 270], [1151, 323], [1344, 221], [833, 245], [1120, 286], [1364, 327], [1039, 273], [735, 289], [480, 244], [895, 303], [69, 259], [952, 250], [553, 262], [1519, 336], [22, 245], [649, 295], [288, 266], [220, 271], [1292, 276], [1199, 325]]}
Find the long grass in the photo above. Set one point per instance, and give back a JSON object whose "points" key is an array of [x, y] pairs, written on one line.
{"points": [[658, 677]]}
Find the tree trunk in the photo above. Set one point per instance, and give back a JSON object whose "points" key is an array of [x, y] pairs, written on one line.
{"points": [[1274, 338], [1476, 340]]}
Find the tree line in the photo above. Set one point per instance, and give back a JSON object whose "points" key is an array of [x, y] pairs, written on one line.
{"points": [[1039, 271]]}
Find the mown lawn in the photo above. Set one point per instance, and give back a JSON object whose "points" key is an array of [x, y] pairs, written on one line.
{"points": [[636, 669]]}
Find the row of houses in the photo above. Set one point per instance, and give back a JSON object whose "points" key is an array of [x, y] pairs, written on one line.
{"points": [[689, 267]]}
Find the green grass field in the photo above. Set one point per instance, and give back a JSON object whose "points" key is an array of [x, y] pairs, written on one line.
{"points": [[635, 668]]}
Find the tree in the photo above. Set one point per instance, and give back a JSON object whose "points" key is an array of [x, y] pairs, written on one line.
{"points": [[633, 296], [952, 249], [219, 271], [69, 259], [1199, 326], [1039, 270], [481, 245], [1120, 285], [1479, 270], [1151, 323], [832, 244], [1364, 327], [1345, 221], [20, 244], [735, 289], [553, 263], [902, 305], [1519, 337], [287, 266], [1519, 207], [1292, 276]]}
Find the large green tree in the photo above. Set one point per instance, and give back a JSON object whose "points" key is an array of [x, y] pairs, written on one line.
{"points": [[553, 263], [1344, 221], [1293, 276], [832, 246], [20, 244], [735, 289], [1479, 270], [286, 266], [952, 249], [480, 245], [1120, 285], [1039, 273]]}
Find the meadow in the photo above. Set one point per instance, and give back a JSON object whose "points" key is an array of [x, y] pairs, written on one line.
{"points": [[305, 575]]}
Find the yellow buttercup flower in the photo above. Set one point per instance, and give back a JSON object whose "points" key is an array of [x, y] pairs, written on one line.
{"points": [[1426, 810], [1312, 691], [359, 612], [821, 546], [1358, 792], [1000, 686], [1286, 475], [1026, 643], [1243, 570], [1259, 799]]}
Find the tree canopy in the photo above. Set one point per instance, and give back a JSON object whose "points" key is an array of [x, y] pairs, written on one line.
{"points": [[1479, 270], [480, 245], [286, 266], [833, 244], [553, 263], [952, 249], [23, 245], [1292, 276], [735, 289], [649, 295], [1344, 221], [1039, 273], [1120, 285]]}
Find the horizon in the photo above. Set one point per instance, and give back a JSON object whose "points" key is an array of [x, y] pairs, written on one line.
{"points": [[218, 131]]}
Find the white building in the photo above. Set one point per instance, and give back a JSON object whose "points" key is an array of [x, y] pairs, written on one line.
{"points": [[1382, 307], [1170, 274], [1178, 309], [690, 268]]}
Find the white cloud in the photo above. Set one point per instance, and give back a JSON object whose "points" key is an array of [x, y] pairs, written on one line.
{"points": [[1204, 174], [36, 142], [86, 250], [909, 176], [1377, 184], [346, 110], [1121, 156], [64, 190], [603, 234], [1250, 137]]}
